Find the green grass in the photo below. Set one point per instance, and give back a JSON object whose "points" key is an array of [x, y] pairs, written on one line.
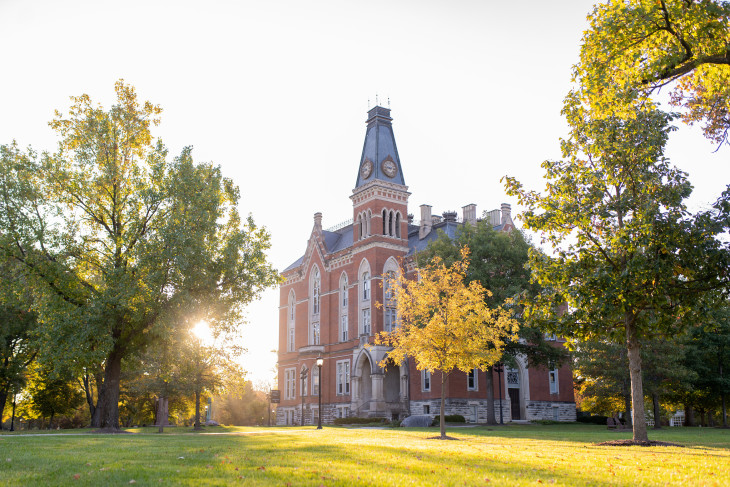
{"points": [[509, 455]]}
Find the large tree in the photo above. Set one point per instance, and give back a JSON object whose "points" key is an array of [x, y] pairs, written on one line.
{"points": [[499, 263], [444, 323], [626, 257], [635, 47], [115, 237]]}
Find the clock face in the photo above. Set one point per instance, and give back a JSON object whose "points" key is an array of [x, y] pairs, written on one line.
{"points": [[389, 168], [366, 169]]}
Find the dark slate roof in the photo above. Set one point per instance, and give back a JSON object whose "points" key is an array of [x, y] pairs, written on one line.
{"points": [[379, 145], [415, 244], [343, 238], [333, 241]]}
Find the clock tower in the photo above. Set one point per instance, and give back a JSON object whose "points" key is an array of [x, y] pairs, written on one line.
{"points": [[380, 197]]}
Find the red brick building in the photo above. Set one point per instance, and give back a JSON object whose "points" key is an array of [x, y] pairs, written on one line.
{"points": [[328, 309]]}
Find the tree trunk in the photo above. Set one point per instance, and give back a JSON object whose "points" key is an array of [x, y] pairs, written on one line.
{"points": [[50, 421], [3, 398], [162, 413], [107, 410], [491, 417], [637, 389], [196, 425], [702, 417], [443, 406], [657, 412], [12, 416], [689, 415], [89, 395], [724, 412]]}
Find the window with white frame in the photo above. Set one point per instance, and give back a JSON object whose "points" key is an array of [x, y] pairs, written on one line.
{"points": [[290, 379], [343, 292], [471, 379], [343, 411], [315, 381], [426, 409], [425, 380], [343, 377], [366, 321], [315, 333], [365, 286], [553, 379], [343, 328], [390, 319]]}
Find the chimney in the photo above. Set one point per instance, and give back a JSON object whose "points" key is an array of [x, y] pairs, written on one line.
{"points": [[470, 213], [318, 222], [425, 221], [494, 218], [506, 214], [449, 216]]}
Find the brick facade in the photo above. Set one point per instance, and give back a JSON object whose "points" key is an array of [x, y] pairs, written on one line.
{"points": [[329, 307]]}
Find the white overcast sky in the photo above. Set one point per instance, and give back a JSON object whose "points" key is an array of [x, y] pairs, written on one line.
{"points": [[276, 92]]}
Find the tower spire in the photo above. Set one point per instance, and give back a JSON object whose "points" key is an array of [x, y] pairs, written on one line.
{"points": [[379, 160]]}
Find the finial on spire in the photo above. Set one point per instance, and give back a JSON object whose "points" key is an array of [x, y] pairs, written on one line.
{"points": [[388, 102], [376, 100]]}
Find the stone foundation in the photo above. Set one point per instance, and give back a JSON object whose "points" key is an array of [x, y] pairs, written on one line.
{"points": [[535, 410], [550, 410]]}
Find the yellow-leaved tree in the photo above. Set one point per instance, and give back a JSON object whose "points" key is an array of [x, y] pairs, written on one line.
{"points": [[444, 324]]}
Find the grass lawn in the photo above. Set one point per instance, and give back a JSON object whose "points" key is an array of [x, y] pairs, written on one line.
{"points": [[508, 455]]}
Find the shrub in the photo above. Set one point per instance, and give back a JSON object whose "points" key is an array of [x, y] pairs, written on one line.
{"points": [[449, 418], [356, 420], [546, 421], [598, 419]]}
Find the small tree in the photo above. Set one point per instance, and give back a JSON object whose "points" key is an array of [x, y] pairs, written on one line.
{"points": [[499, 262], [445, 323]]}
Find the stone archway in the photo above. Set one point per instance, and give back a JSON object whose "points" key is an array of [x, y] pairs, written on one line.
{"points": [[363, 385]]}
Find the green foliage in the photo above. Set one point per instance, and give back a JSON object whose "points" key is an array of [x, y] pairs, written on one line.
{"points": [[53, 393], [627, 259], [449, 418], [635, 47], [593, 419], [116, 239], [499, 262]]}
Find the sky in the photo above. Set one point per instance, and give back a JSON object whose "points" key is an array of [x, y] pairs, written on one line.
{"points": [[276, 93]]}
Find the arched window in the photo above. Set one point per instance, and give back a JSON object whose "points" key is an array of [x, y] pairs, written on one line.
{"points": [[315, 292], [397, 225], [391, 224], [365, 286], [385, 222], [290, 325], [343, 308]]}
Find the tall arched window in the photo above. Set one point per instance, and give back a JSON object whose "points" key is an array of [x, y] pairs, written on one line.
{"points": [[391, 223], [397, 225], [290, 324], [344, 323], [315, 292], [365, 286], [385, 222]]}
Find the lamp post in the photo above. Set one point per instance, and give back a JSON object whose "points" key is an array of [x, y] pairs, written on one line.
{"points": [[499, 368], [304, 377], [320, 362]]}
